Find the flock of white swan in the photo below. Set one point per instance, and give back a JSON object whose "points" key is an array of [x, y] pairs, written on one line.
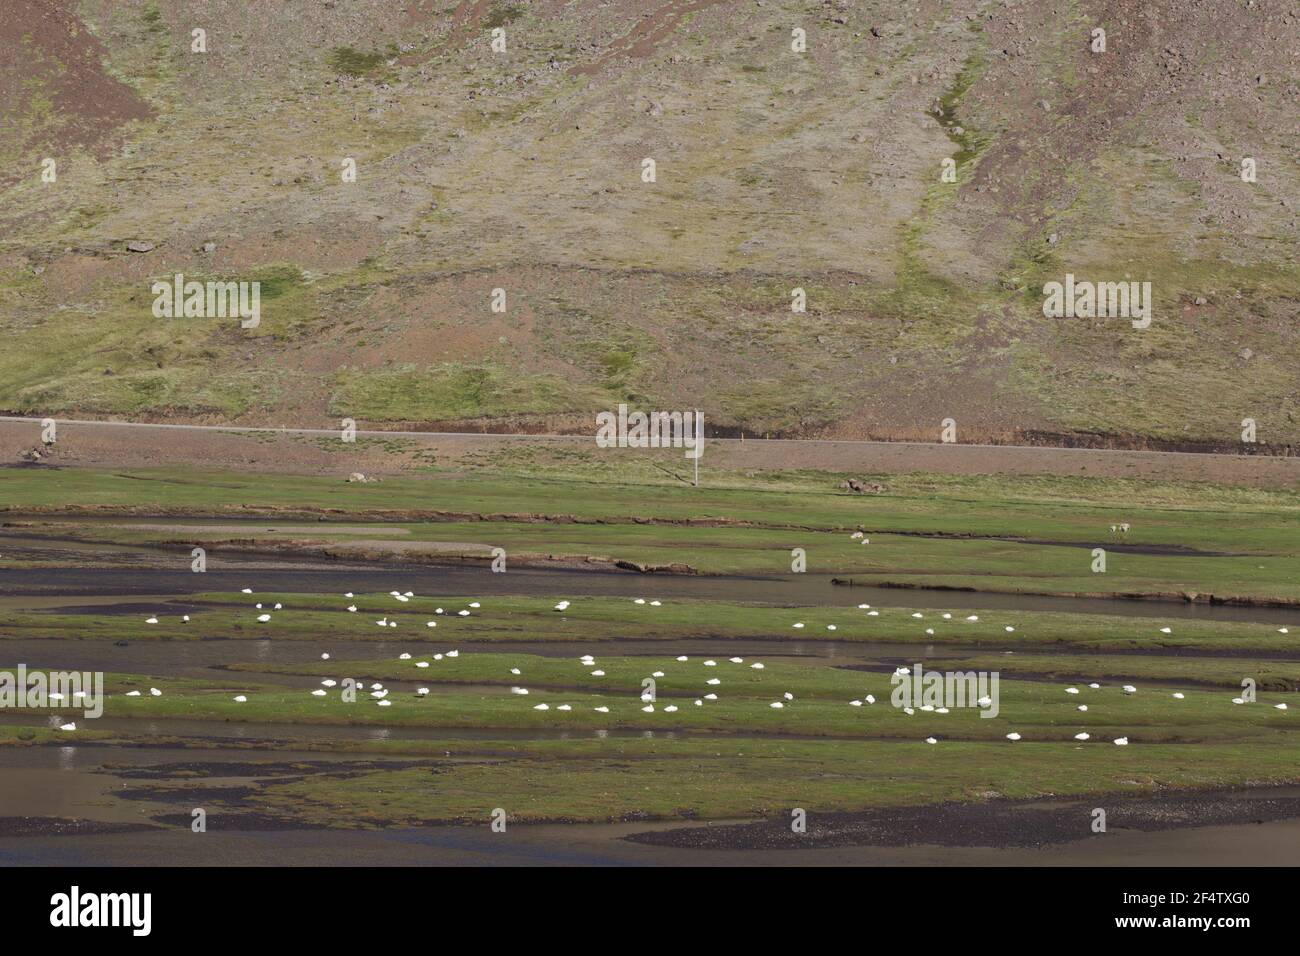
{"points": [[647, 699]]}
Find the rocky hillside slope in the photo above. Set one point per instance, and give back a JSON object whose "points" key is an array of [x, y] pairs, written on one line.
{"points": [[774, 170]]}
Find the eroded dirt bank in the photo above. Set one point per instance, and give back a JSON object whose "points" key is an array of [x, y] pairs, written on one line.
{"points": [[994, 823]]}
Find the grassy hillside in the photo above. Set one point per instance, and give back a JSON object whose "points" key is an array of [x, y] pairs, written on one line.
{"points": [[775, 170]]}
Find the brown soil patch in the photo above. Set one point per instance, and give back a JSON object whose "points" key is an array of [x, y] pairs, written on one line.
{"points": [[46, 50], [644, 38]]}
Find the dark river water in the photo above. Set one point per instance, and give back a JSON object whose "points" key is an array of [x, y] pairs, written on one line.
{"points": [[69, 781], [790, 590]]}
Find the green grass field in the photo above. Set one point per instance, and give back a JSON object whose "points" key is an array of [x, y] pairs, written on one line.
{"points": [[1004, 535], [309, 617], [818, 747], [471, 744]]}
